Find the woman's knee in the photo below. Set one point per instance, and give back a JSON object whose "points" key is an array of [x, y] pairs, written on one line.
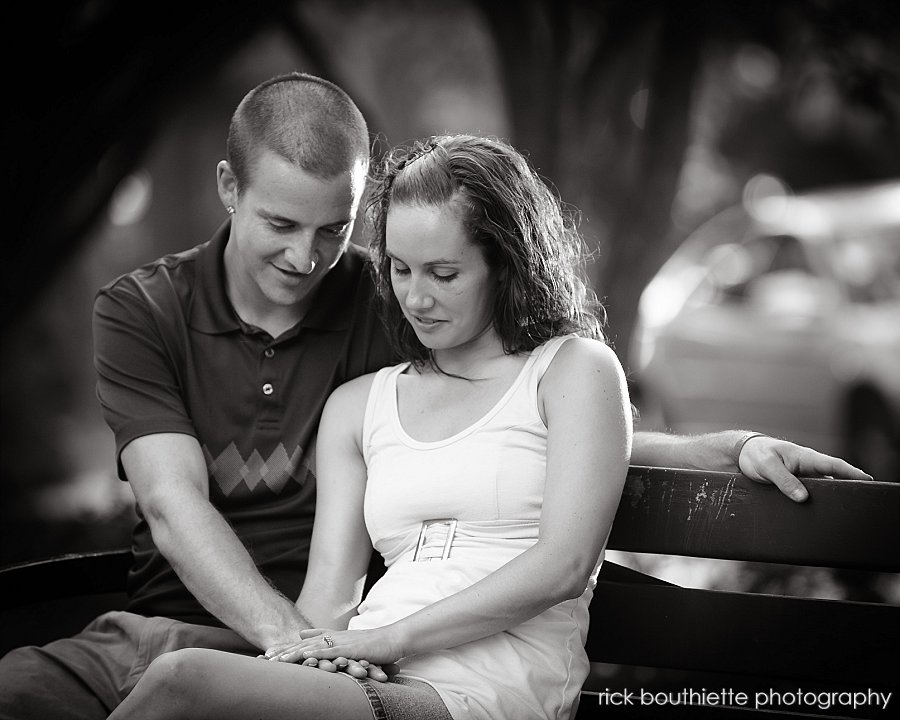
{"points": [[176, 678]]}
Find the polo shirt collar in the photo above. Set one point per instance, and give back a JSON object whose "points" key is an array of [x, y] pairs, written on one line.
{"points": [[332, 307], [212, 311]]}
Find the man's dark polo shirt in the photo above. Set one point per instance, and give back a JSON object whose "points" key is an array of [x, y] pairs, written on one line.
{"points": [[172, 356]]}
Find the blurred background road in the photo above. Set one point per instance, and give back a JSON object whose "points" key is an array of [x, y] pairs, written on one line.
{"points": [[758, 142]]}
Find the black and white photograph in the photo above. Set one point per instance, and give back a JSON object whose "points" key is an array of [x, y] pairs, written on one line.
{"points": [[451, 359]]}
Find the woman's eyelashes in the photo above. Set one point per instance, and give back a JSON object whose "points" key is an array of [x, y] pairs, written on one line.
{"points": [[403, 271]]}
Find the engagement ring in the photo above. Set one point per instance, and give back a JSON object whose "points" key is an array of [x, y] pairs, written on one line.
{"points": [[328, 641]]}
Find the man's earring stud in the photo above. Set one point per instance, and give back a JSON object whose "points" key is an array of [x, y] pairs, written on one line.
{"points": [[230, 209]]}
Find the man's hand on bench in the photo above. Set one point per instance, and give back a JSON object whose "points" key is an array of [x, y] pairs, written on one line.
{"points": [[779, 462]]}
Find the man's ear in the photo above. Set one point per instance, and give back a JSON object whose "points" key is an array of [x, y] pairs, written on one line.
{"points": [[226, 184]]}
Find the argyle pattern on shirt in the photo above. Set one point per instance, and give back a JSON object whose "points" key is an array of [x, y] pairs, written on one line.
{"points": [[229, 468]]}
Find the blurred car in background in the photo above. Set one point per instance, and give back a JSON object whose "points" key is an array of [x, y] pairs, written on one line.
{"points": [[782, 315]]}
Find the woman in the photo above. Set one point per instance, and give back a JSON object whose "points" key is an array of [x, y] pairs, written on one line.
{"points": [[486, 470]]}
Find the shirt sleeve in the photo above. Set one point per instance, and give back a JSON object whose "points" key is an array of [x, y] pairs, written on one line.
{"points": [[136, 359]]}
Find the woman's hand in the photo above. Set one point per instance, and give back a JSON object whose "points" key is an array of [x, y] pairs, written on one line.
{"points": [[376, 646]]}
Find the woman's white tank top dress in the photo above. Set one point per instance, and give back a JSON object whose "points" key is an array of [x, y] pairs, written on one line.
{"points": [[484, 487]]}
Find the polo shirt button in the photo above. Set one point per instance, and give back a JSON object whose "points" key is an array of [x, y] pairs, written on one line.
{"points": [[268, 389], [269, 352]]}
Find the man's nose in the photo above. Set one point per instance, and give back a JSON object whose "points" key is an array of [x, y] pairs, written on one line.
{"points": [[301, 253]]}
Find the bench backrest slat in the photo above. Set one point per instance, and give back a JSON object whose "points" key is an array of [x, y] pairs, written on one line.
{"points": [[844, 524]]}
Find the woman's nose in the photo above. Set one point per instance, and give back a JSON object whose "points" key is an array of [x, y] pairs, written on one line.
{"points": [[417, 295]]}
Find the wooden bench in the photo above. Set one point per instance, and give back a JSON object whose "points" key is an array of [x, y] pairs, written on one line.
{"points": [[657, 649], [666, 641]]}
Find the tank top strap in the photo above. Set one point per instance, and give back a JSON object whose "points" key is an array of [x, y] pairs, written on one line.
{"points": [[380, 403], [543, 356], [522, 405]]}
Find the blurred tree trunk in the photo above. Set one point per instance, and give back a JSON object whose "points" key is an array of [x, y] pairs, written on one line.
{"points": [[600, 99], [86, 97]]}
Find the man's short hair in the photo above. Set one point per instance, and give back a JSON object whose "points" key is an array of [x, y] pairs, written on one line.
{"points": [[308, 121]]}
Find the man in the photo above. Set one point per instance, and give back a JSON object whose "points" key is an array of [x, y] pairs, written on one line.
{"points": [[214, 365]]}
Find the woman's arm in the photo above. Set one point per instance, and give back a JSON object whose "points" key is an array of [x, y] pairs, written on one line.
{"points": [[340, 548], [588, 416]]}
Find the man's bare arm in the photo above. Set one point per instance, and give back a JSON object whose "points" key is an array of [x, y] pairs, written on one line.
{"points": [[759, 457], [168, 474]]}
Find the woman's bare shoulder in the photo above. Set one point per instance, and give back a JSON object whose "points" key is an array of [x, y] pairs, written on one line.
{"points": [[351, 397], [580, 355], [583, 367]]}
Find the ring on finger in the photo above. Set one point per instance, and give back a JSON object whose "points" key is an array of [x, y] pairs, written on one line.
{"points": [[328, 641]]}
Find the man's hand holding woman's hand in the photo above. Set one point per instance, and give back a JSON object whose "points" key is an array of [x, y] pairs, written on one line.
{"points": [[360, 653]]}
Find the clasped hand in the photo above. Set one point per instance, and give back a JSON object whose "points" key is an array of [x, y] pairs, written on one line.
{"points": [[360, 653]]}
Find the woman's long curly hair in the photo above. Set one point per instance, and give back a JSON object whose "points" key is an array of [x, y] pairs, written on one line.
{"points": [[529, 241]]}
